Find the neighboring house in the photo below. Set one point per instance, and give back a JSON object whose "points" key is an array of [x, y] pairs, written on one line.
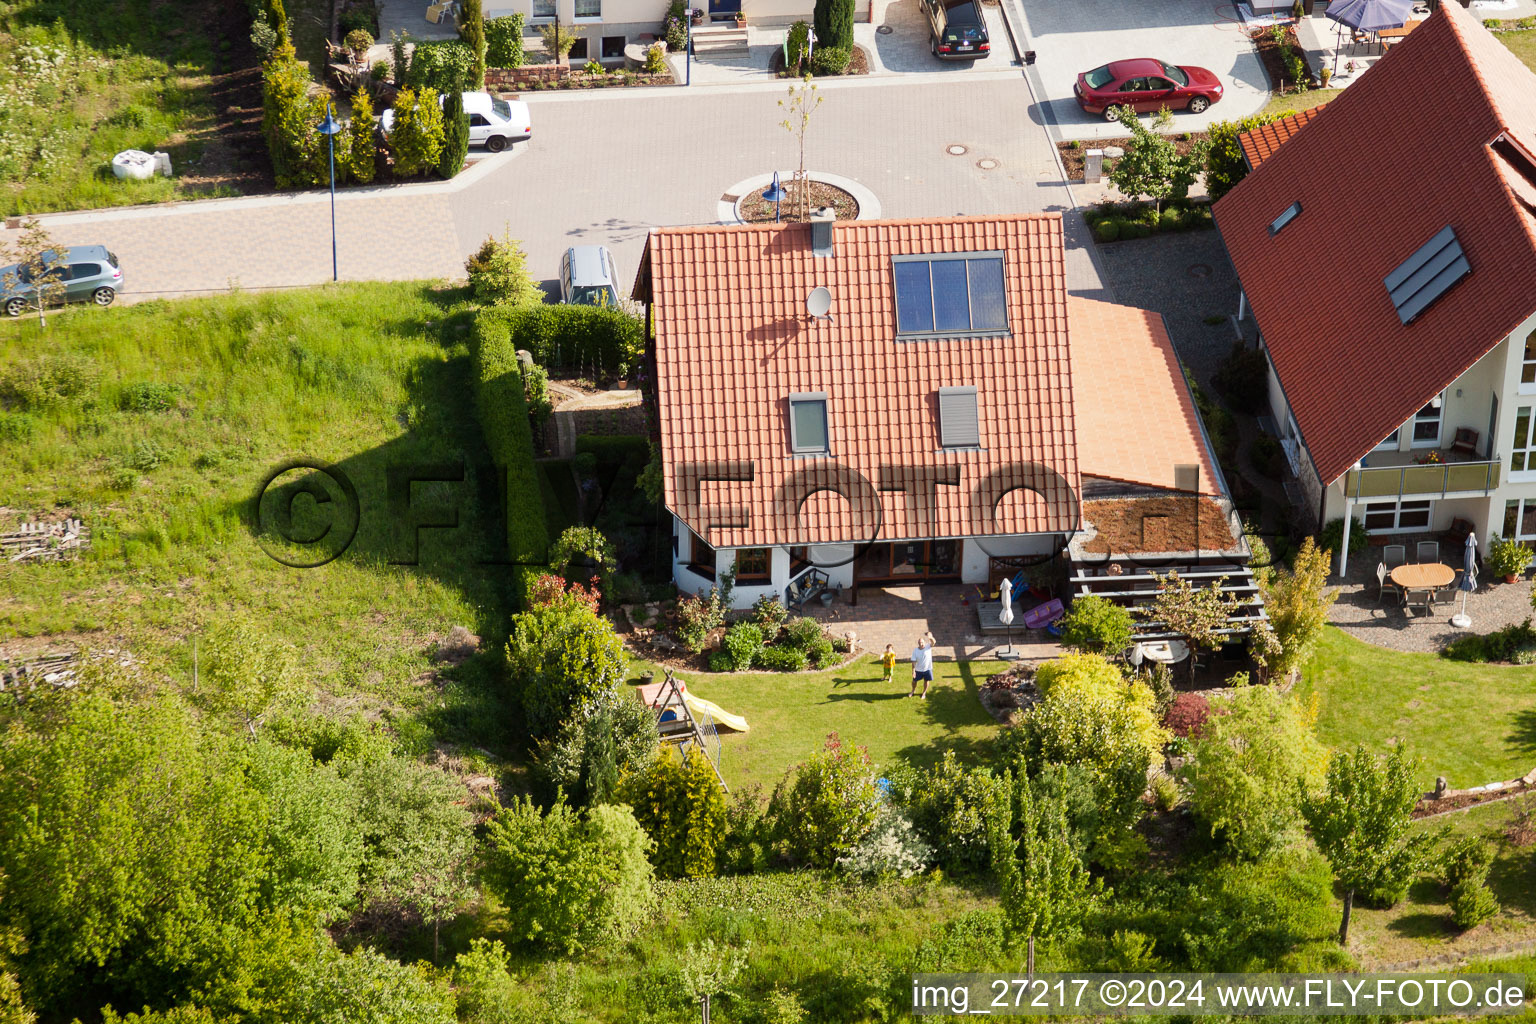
{"points": [[949, 410], [1388, 255]]}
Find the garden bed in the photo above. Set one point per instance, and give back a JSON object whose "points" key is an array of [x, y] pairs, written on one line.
{"points": [[1074, 153], [754, 209], [1117, 222], [858, 64], [1273, 48]]}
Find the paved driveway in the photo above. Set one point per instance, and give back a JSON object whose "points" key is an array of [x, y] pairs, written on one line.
{"points": [[1071, 36], [906, 47]]}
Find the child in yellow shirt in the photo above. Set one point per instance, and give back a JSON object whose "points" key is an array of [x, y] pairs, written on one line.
{"points": [[888, 662]]}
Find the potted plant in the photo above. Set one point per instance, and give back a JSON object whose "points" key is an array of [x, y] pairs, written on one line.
{"points": [[741, 19], [696, 15], [1508, 558]]}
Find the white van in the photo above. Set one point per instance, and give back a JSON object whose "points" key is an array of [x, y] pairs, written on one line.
{"points": [[493, 123]]}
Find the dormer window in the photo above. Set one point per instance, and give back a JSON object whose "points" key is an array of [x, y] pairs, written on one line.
{"points": [[958, 425], [1287, 215], [954, 295], [808, 433]]}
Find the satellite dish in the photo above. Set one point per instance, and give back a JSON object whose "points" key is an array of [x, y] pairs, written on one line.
{"points": [[818, 302]]}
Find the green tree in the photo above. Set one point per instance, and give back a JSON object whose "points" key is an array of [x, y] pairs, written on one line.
{"points": [[825, 806], [833, 22], [568, 661], [175, 1015], [455, 135], [680, 805], [708, 970], [246, 673], [1198, 615], [1224, 162], [318, 982], [289, 121], [1045, 887], [1152, 166], [586, 548], [802, 103], [472, 32], [1297, 602], [1244, 767], [589, 753], [1096, 625], [952, 806], [558, 39], [498, 274], [12, 945], [361, 153], [569, 880], [417, 137], [1360, 822]]}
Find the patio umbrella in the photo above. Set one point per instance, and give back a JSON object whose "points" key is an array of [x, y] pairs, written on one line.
{"points": [[1468, 582], [1005, 616], [1367, 16]]}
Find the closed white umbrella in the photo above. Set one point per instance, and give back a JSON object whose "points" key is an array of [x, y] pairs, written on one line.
{"points": [[1005, 616], [1468, 581]]}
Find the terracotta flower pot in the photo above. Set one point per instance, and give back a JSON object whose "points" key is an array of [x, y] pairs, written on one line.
{"points": [[1511, 577]]}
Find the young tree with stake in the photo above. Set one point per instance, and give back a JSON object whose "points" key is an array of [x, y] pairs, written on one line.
{"points": [[802, 103]]}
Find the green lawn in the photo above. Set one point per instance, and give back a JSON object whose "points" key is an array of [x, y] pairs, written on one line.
{"points": [[1523, 44], [1421, 925], [1293, 101], [791, 714], [1470, 723], [362, 376]]}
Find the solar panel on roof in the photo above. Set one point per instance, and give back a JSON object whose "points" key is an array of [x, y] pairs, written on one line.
{"points": [[1427, 274]]}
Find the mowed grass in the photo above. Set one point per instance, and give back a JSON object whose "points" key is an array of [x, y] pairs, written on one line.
{"points": [[1421, 925], [1470, 723], [1294, 101], [1522, 44], [790, 716], [364, 377]]}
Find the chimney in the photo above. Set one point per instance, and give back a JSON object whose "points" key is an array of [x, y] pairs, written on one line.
{"points": [[822, 219]]}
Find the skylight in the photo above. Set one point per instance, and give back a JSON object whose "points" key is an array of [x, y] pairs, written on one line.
{"points": [[1286, 216], [1427, 274], [950, 296], [958, 426], [808, 423]]}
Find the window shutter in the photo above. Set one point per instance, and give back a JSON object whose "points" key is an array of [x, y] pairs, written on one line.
{"points": [[958, 426]]}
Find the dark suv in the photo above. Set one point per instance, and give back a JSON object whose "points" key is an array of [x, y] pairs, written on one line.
{"points": [[958, 29], [88, 273]]}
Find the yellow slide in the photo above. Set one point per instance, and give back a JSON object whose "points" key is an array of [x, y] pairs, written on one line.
{"points": [[700, 706]]}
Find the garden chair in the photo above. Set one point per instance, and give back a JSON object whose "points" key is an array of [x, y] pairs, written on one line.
{"points": [[1394, 555], [1385, 586], [1427, 551]]}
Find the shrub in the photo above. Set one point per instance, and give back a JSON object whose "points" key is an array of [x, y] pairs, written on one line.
{"points": [[695, 618], [721, 661], [1244, 377], [1187, 715], [455, 135], [1107, 230], [1332, 536], [1267, 457], [1507, 556], [825, 807], [400, 56], [149, 396], [417, 138], [536, 394], [796, 43], [679, 803], [289, 117], [1468, 647], [585, 548], [356, 151], [780, 659], [596, 342], [569, 881], [20, 426], [1170, 220], [769, 613], [831, 60], [498, 274], [1468, 860], [593, 748], [567, 660], [1472, 903], [504, 41], [833, 22], [1224, 163], [1096, 625], [677, 26], [743, 642], [951, 805], [656, 58], [358, 40], [1165, 793], [472, 34], [820, 653], [802, 632], [442, 66], [558, 39], [892, 848]]}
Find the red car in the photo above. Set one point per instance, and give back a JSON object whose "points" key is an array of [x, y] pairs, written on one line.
{"points": [[1146, 85]]}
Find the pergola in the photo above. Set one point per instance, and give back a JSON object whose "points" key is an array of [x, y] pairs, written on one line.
{"points": [[1138, 588]]}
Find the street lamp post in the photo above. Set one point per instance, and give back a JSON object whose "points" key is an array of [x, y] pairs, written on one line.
{"points": [[329, 127], [774, 195], [688, 47]]}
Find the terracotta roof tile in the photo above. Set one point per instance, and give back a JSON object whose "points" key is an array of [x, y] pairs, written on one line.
{"points": [[733, 341], [1136, 420], [1375, 183], [1262, 141]]}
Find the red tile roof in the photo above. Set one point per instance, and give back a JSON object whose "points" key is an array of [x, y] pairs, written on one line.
{"points": [[733, 341], [1376, 180], [1260, 143], [1136, 421]]}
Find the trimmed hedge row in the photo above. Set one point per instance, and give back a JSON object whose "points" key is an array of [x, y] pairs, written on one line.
{"points": [[590, 340], [503, 414], [615, 449]]}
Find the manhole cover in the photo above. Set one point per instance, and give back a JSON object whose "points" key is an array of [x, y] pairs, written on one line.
{"points": [[955, 149], [884, 30], [986, 163], [1199, 270]]}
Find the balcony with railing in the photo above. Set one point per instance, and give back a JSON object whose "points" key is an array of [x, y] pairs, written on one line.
{"points": [[1442, 473]]}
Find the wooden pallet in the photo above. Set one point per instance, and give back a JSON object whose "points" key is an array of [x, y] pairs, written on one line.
{"points": [[45, 542]]}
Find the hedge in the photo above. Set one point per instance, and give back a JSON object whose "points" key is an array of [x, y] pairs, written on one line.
{"points": [[503, 414], [590, 340], [615, 449], [504, 41], [446, 65]]}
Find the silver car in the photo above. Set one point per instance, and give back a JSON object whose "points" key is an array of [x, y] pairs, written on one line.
{"points": [[89, 274], [588, 278]]}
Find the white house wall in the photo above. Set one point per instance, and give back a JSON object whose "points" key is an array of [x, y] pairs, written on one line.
{"points": [[975, 555]]}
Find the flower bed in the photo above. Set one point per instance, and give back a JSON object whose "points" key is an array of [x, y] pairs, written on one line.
{"points": [[1074, 153], [1278, 52], [1116, 222]]}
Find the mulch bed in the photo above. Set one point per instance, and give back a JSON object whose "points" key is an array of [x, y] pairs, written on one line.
{"points": [[1074, 154], [1430, 808], [757, 210], [858, 64], [1272, 54]]}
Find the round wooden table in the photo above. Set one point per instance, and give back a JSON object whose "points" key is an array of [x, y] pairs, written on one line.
{"points": [[1425, 576]]}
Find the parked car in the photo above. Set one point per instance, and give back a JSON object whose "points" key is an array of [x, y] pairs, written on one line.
{"points": [[588, 278], [956, 29], [89, 272], [493, 123], [1146, 85]]}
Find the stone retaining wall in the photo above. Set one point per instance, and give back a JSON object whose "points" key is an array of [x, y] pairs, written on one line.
{"points": [[505, 78], [1493, 790]]}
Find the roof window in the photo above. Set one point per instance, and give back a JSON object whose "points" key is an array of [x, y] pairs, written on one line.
{"points": [[958, 426], [1287, 215], [950, 296], [808, 423]]}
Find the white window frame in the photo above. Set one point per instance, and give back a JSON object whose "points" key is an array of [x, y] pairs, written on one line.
{"points": [[1523, 448], [589, 19], [1391, 444], [1437, 418], [1519, 504], [808, 398], [1527, 366], [1377, 508]]}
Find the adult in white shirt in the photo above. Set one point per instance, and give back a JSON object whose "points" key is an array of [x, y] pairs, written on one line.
{"points": [[922, 668]]}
